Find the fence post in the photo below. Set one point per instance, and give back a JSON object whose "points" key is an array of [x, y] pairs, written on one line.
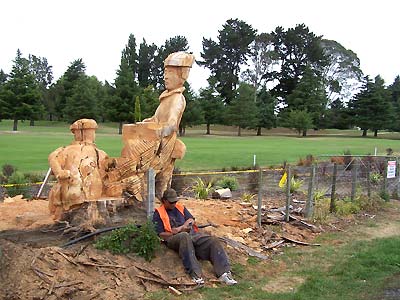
{"points": [[397, 178], [369, 180], [334, 175], [288, 181], [259, 200], [354, 180], [151, 187], [384, 185], [309, 204]]}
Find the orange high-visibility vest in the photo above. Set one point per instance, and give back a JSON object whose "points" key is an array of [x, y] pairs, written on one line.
{"points": [[165, 218]]}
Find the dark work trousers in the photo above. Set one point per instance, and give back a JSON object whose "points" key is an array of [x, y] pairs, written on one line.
{"points": [[201, 246]]}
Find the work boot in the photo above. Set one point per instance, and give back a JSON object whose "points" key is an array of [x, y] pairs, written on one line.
{"points": [[227, 278], [197, 279]]}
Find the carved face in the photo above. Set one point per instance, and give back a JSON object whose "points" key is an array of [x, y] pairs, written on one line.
{"points": [[173, 77]]}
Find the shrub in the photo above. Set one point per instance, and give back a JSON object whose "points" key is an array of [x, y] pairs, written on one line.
{"points": [[19, 179], [201, 189], [369, 204], [345, 207], [308, 161], [247, 197], [8, 170], [33, 177], [228, 182], [321, 210], [375, 177], [295, 185], [142, 240]]}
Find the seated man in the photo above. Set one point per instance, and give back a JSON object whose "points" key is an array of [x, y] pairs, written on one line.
{"points": [[176, 226]]}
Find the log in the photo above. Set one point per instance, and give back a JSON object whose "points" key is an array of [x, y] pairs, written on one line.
{"points": [[299, 242], [248, 250]]}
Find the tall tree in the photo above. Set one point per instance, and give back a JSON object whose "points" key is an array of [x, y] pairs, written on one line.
{"points": [[342, 74], [243, 112], [130, 56], [193, 114], [394, 90], [212, 106], [309, 95], [225, 57], [297, 49], [336, 116], [266, 104], [299, 120], [146, 64], [371, 108], [121, 107], [21, 92], [263, 60], [4, 107]]}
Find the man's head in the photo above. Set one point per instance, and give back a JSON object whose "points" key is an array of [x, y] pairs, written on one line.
{"points": [[169, 198], [84, 130], [177, 66]]}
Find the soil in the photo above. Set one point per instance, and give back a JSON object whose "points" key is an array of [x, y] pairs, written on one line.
{"points": [[34, 266]]}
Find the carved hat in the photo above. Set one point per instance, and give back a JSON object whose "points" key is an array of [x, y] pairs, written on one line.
{"points": [[83, 124], [170, 195], [179, 59]]}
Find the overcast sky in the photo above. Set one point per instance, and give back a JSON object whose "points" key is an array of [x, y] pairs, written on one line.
{"points": [[98, 30]]}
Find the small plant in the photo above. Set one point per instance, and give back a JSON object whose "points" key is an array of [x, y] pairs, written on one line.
{"points": [[345, 207], [143, 240], [384, 195], [318, 195], [295, 185], [18, 179], [247, 197], [8, 170], [228, 182], [201, 189], [375, 177], [321, 210]]}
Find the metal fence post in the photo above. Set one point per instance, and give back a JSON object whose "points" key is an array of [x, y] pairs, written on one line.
{"points": [[288, 181], [384, 185], [369, 180], [310, 199], [397, 178], [354, 181], [334, 175], [259, 200], [151, 187]]}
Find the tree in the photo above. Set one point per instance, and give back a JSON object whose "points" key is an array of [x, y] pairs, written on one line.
{"points": [[342, 74], [193, 114], [297, 49], [266, 104], [148, 101], [138, 114], [130, 56], [394, 90], [309, 95], [120, 107], [21, 92], [82, 102], [263, 60], [299, 120], [226, 57], [146, 64], [212, 106], [4, 109], [243, 111], [336, 116], [371, 107]]}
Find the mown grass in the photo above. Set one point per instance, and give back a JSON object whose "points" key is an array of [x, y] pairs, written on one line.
{"points": [[29, 148]]}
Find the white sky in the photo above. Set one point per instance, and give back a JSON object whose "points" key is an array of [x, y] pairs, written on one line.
{"points": [[98, 30]]}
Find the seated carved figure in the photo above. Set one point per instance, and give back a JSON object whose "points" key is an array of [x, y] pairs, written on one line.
{"points": [[79, 169], [153, 143]]}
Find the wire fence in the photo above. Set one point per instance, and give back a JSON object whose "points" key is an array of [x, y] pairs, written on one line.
{"points": [[341, 178]]}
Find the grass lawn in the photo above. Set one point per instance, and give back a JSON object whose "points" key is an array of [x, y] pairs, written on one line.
{"points": [[29, 147]]}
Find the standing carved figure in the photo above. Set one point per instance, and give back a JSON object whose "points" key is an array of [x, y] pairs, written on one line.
{"points": [[153, 143], [79, 169]]}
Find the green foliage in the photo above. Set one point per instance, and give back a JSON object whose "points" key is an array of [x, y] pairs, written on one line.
{"points": [[201, 189], [321, 210], [375, 177], [384, 195], [138, 113], [247, 197], [299, 120], [295, 185], [8, 170], [142, 240], [228, 182], [345, 207], [17, 178], [318, 194]]}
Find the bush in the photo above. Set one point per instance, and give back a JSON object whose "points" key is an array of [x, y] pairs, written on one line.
{"points": [[295, 185], [143, 240], [346, 207], [19, 179], [33, 177], [8, 170], [201, 189], [228, 182], [321, 210], [375, 177]]}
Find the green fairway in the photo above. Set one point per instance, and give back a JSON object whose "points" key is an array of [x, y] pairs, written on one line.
{"points": [[29, 148]]}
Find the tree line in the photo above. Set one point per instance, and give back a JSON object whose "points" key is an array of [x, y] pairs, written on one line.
{"points": [[287, 77]]}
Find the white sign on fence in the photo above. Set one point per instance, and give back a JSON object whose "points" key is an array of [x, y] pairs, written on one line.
{"points": [[391, 169]]}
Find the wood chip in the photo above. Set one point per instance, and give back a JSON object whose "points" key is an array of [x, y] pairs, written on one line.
{"points": [[174, 291]]}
